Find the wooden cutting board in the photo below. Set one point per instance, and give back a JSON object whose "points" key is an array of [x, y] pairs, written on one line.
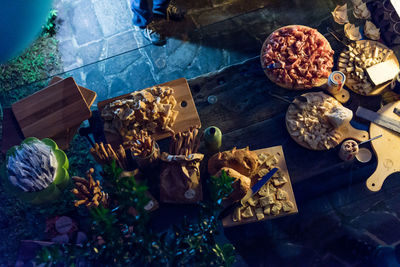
{"points": [[63, 139], [187, 117], [386, 148], [346, 131], [51, 110], [278, 152]]}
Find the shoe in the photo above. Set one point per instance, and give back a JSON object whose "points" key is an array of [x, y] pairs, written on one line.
{"points": [[150, 34], [172, 13]]}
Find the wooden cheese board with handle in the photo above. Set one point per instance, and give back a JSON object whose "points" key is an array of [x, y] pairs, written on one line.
{"points": [[386, 148], [277, 151], [346, 131], [379, 89], [187, 117], [51, 110], [63, 139]]}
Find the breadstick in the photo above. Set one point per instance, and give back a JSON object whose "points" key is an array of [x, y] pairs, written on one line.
{"points": [[92, 183], [95, 156], [195, 133], [121, 152], [77, 203], [197, 142], [97, 149], [189, 143], [80, 180], [179, 143], [122, 156], [83, 189], [182, 146], [103, 150], [111, 152]]}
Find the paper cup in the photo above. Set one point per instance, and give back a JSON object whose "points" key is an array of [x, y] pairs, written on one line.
{"points": [[348, 150]]}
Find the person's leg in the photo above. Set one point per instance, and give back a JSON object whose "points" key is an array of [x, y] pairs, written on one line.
{"points": [[167, 10], [142, 12], [142, 17], [160, 6]]}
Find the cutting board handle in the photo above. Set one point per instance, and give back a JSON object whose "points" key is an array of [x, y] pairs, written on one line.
{"points": [[351, 132], [383, 170]]}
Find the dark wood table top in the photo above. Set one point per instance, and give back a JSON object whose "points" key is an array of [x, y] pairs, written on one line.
{"points": [[248, 116]]}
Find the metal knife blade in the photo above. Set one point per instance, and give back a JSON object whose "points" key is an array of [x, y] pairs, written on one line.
{"points": [[252, 191], [263, 181], [379, 119]]}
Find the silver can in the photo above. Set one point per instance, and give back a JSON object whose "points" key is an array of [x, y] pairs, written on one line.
{"points": [[335, 82]]}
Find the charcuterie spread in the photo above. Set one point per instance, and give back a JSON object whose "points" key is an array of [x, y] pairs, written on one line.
{"points": [[301, 57]]}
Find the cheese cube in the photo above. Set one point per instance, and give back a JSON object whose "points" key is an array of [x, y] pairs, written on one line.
{"points": [[259, 213], [269, 199]]}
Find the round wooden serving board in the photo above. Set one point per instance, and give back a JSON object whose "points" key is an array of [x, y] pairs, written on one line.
{"points": [[386, 148], [380, 88], [347, 132], [273, 78]]}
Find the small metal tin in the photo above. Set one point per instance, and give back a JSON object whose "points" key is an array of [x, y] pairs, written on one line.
{"points": [[335, 82]]}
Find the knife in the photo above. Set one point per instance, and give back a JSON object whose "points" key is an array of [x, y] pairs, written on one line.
{"points": [[378, 119], [251, 192]]}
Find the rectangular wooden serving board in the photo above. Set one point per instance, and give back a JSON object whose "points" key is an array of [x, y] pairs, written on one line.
{"points": [[51, 110], [187, 117], [64, 138], [278, 152]]}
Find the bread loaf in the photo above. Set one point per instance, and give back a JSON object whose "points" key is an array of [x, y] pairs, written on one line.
{"points": [[241, 160]]}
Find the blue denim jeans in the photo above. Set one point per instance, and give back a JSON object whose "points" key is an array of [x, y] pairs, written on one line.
{"points": [[143, 10]]}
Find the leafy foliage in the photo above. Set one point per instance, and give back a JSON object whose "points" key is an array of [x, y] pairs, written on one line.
{"points": [[49, 29], [123, 239], [38, 62], [220, 187], [78, 157]]}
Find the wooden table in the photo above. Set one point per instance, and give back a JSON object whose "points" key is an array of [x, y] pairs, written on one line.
{"points": [[248, 116]]}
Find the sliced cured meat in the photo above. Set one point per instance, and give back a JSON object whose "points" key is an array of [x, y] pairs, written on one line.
{"points": [[305, 56]]}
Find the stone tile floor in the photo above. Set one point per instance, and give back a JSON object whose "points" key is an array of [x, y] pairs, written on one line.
{"points": [[102, 50]]}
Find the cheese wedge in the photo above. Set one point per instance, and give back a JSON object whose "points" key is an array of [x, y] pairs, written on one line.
{"points": [[383, 72]]}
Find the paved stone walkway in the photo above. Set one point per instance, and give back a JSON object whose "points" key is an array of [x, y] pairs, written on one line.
{"points": [[102, 51]]}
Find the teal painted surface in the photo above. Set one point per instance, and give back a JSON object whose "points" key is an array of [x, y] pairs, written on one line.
{"points": [[20, 23]]}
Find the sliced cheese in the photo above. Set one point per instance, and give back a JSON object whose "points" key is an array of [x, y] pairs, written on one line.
{"points": [[247, 212], [383, 72]]}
